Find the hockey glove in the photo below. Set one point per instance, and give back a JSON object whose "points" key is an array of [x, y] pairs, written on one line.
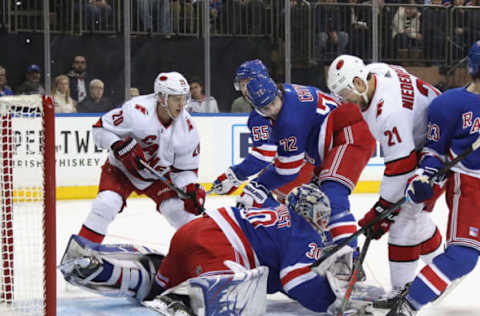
{"points": [[254, 195], [129, 152], [226, 183], [422, 186], [383, 226], [196, 201]]}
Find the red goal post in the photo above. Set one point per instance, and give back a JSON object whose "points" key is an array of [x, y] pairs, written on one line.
{"points": [[27, 206]]}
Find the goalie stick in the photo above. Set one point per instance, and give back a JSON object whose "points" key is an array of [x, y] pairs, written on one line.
{"points": [[353, 277], [445, 168], [182, 194]]}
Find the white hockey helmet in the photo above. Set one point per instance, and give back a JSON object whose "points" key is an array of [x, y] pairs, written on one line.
{"points": [[341, 73], [170, 83]]}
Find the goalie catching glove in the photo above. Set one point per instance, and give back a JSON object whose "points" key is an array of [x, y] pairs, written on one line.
{"points": [[129, 152], [382, 226], [227, 182]]}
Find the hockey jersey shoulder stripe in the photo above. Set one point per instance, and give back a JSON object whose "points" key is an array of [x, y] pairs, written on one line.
{"points": [[401, 166], [226, 221], [295, 275]]}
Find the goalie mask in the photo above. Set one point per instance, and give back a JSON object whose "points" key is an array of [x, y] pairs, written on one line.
{"points": [[312, 204], [341, 73], [171, 84]]}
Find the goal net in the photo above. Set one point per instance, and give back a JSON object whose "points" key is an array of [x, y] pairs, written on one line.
{"points": [[27, 206]]}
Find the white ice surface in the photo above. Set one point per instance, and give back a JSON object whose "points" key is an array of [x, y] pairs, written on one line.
{"points": [[139, 223]]}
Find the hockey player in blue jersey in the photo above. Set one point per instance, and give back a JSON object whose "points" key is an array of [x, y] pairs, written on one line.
{"points": [[308, 125], [286, 239], [453, 126], [264, 148]]}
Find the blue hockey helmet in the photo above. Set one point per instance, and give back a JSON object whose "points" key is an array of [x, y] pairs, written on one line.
{"points": [[248, 70], [473, 59], [261, 91]]}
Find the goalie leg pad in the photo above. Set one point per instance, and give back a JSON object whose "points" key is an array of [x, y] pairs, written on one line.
{"points": [[243, 293], [110, 270]]}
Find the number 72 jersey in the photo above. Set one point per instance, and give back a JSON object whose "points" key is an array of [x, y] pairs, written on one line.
{"points": [[397, 118]]}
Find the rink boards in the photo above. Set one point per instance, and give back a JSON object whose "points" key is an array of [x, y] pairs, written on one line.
{"points": [[224, 141]]}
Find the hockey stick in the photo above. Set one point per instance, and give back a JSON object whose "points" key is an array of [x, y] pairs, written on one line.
{"points": [[445, 168], [353, 279], [182, 194]]}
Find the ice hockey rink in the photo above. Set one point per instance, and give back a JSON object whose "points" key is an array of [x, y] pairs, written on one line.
{"points": [[139, 223]]}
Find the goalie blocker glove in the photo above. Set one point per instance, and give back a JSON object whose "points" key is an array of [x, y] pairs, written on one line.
{"points": [[380, 228], [196, 201], [255, 195], [227, 182], [129, 152]]}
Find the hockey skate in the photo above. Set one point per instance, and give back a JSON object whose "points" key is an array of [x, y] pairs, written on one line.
{"points": [[402, 308], [170, 305], [400, 305], [388, 301]]}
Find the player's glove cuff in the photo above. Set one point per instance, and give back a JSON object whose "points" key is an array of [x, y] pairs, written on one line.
{"points": [[254, 195], [227, 182]]}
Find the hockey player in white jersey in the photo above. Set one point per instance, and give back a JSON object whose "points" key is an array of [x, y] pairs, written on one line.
{"points": [[394, 104], [154, 128]]}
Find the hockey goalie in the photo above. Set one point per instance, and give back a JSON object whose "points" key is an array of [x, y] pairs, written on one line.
{"points": [[226, 261]]}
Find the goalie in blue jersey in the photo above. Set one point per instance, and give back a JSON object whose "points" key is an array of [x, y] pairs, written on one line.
{"points": [[228, 259]]}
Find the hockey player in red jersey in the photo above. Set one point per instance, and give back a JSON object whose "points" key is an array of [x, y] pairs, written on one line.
{"points": [[154, 128], [453, 127], [394, 104], [207, 253]]}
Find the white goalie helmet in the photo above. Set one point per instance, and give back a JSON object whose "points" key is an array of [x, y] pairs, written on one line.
{"points": [[341, 73], [171, 83], [312, 204]]}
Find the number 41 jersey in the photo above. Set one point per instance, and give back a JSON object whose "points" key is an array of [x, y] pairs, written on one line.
{"points": [[397, 118]]}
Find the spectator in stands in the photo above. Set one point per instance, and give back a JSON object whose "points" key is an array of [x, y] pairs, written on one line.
{"points": [[406, 32], [61, 95], [147, 9], [4, 89], [359, 19], [472, 24], [199, 102], [32, 84], [240, 105], [331, 39], [434, 36], [95, 102], [97, 13], [79, 79], [133, 92]]}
